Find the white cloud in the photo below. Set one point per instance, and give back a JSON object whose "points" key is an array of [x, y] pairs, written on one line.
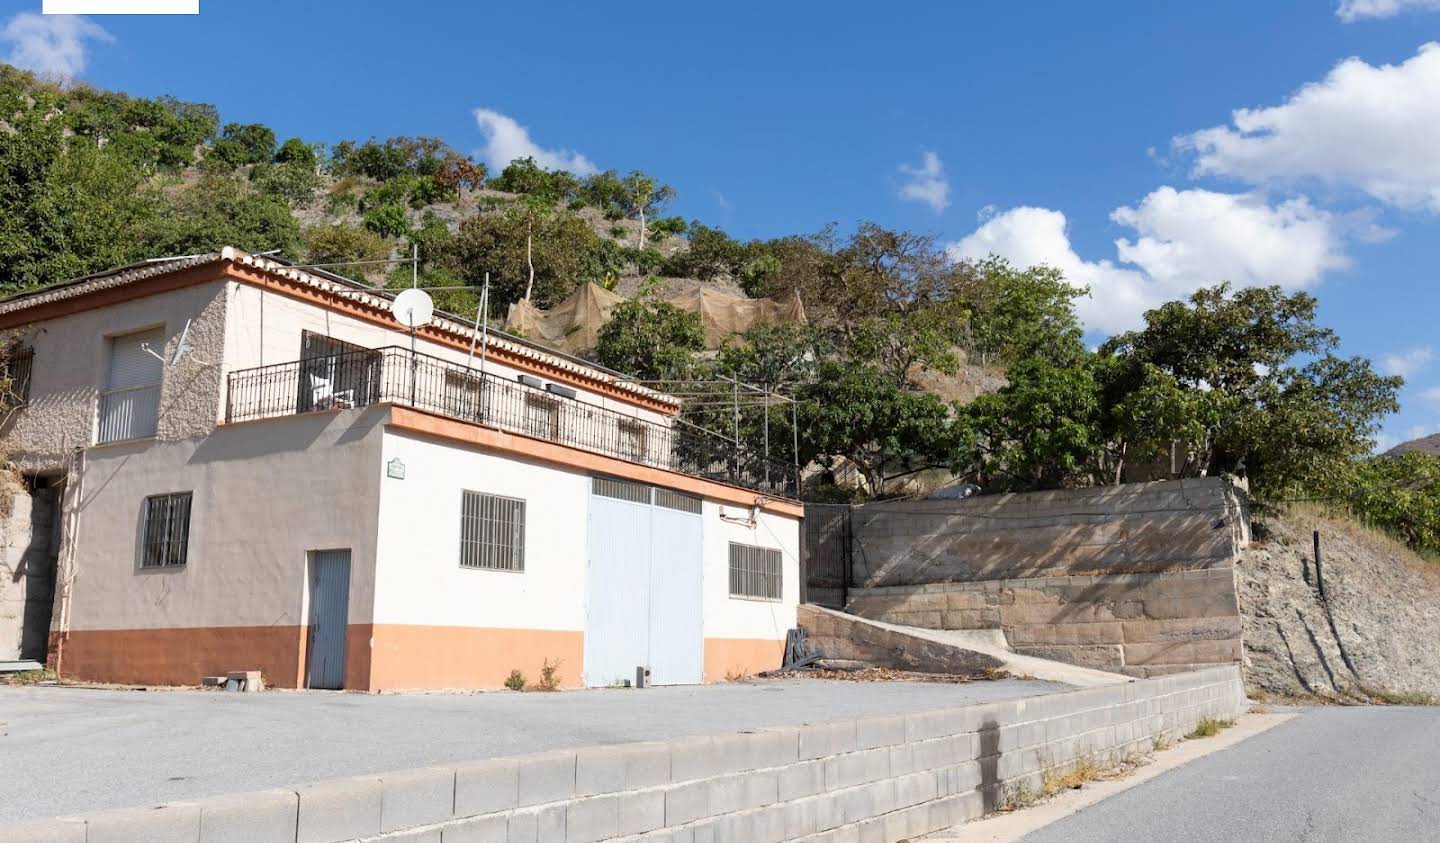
{"points": [[506, 140], [1184, 239], [1353, 10], [926, 183], [1372, 128], [1407, 363], [52, 46]]}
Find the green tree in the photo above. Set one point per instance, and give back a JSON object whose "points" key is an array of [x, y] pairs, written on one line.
{"points": [[854, 413], [523, 175], [1040, 431], [1398, 494], [1016, 313], [651, 340], [297, 152], [387, 220], [244, 143], [561, 247], [345, 243], [220, 211]]}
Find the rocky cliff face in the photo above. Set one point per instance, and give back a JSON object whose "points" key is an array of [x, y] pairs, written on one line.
{"points": [[1374, 633]]}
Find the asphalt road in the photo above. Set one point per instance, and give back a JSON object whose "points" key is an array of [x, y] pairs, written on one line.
{"points": [[78, 750], [1331, 774]]}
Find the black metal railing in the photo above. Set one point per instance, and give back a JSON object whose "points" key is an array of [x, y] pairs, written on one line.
{"points": [[395, 375]]}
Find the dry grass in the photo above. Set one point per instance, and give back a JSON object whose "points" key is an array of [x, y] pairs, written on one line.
{"points": [[1160, 743], [1208, 727], [549, 677], [733, 675], [29, 677], [1402, 697], [1054, 780], [1259, 709]]}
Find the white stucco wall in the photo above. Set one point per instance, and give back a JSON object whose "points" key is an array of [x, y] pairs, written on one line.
{"points": [[264, 494], [72, 358], [265, 329], [741, 617], [419, 579]]}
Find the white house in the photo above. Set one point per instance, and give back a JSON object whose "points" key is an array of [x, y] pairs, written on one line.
{"points": [[246, 467]]}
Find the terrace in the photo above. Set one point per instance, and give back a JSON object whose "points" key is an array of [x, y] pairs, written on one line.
{"points": [[395, 375]]}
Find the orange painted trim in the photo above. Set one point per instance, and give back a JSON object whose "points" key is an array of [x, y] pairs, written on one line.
{"points": [[726, 658], [181, 656], [418, 421], [437, 334], [407, 656]]}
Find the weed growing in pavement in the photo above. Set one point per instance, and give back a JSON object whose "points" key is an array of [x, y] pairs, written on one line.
{"points": [[549, 677], [515, 681], [1161, 742], [1208, 727], [1054, 779]]}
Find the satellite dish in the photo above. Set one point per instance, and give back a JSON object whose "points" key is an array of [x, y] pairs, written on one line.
{"points": [[413, 308]]}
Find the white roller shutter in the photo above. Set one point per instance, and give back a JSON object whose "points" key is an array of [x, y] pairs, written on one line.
{"points": [[130, 404]]}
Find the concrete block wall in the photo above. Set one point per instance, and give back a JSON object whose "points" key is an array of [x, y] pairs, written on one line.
{"points": [[1156, 527], [881, 779], [1137, 624]]}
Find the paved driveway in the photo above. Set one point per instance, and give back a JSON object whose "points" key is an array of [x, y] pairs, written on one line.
{"points": [[1338, 774], [71, 750]]}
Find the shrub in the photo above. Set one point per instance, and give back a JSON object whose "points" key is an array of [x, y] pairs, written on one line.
{"points": [[515, 681], [387, 221], [549, 676]]}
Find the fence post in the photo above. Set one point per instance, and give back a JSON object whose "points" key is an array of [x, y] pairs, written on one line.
{"points": [[1319, 574]]}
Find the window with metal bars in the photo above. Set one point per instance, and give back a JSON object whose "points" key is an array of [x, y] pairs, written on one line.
{"points": [[671, 499], [492, 532], [624, 490], [754, 572], [15, 373], [167, 531]]}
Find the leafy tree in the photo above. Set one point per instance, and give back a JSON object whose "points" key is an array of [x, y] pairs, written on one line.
{"points": [[855, 413], [1040, 431], [711, 254], [1398, 494], [523, 175], [387, 220], [220, 211], [297, 152], [651, 340], [1016, 313], [562, 246], [1282, 409], [244, 143], [345, 243], [294, 182]]}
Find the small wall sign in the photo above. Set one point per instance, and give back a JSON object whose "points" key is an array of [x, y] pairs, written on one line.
{"points": [[395, 469]]}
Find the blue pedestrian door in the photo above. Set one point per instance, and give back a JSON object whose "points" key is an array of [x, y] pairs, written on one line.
{"points": [[329, 619]]}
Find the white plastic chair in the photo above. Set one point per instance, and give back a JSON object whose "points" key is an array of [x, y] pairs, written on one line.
{"points": [[324, 397]]}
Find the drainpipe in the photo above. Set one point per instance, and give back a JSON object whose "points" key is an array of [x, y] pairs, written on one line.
{"points": [[65, 567]]}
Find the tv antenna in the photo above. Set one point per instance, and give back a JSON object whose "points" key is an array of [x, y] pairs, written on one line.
{"points": [[182, 347]]}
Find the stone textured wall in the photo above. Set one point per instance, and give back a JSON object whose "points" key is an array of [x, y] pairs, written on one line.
{"points": [[881, 778], [1137, 624], [837, 637], [1136, 579], [1174, 525], [28, 544]]}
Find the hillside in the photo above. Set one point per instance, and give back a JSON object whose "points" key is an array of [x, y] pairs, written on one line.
{"points": [[1424, 445], [1373, 636]]}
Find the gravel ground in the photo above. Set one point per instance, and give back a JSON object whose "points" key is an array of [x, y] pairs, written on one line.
{"points": [[1343, 773], [71, 750]]}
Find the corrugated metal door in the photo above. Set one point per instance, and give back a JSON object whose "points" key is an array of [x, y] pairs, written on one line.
{"points": [[329, 618], [677, 637], [129, 406], [618, 590]]}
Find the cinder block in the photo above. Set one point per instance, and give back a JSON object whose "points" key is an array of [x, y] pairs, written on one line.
{"points": [[492, 829], [640, 812], [599, 769], [550, 826], [523, 827], [177, 822], [873, 732], [59, 830], [592, 819], [692, 758], [546, 777], [339, 810], [266, 816], [646, 765], [805, 778], [857, 768], [416, 797], [485, 787], [825, 739], [687, 802], [419, 835]]}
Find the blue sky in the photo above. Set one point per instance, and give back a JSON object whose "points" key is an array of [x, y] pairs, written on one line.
{"points": [[1099, 137]]}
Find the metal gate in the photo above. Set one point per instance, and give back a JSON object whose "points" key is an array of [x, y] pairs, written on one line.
{"points": [[644, 582], [825, 554], [329, 619]]}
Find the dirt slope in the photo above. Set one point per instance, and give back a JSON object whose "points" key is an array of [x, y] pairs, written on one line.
{"points": [[1383, 620]]}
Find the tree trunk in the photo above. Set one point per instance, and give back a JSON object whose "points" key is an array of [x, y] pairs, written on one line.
{"points": [[529, 262], [642, 229]]}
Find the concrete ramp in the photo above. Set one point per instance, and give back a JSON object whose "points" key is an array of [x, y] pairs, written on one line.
{"points": [[838, 635]]}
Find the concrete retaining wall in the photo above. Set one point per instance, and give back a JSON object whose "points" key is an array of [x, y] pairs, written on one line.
{"points": [[1177, 525], [837, 636], [1138, 624], [880, 779]]}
